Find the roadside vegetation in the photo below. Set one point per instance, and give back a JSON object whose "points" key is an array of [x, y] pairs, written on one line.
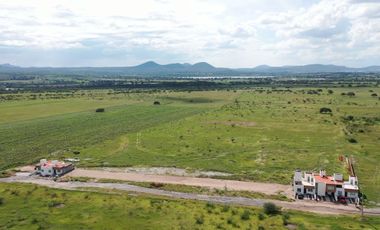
{"points": [[24, 206]]}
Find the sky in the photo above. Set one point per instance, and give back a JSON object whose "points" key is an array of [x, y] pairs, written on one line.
{"points": [[225, 33]]}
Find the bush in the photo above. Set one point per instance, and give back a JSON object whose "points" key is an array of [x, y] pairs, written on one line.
{"points": [[271, 209], [330, 91], [34, 221], [246, 215], [225, 208], [374, 95], [350, 117], [260, 228], [1, 200], [352, 140], [261, 216], [199, 220], [156, 103], [210, 205], [231, 221], [100, 110], [156, 185], [285, 218], [351, 94], [325, 110]]}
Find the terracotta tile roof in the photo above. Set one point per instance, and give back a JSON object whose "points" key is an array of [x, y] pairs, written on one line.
{"points": [[57, 165], [327, 180]]}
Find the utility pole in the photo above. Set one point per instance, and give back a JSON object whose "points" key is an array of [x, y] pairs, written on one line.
{"points": [[362, 209]]}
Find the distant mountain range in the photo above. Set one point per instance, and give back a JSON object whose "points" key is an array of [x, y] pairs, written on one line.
{"points": [[313, 68], [202, 68]]}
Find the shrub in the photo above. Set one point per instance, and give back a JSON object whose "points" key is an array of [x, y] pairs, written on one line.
{"points": [[230, 220], [156, 103], [225, 208], [285, 218], [374, 95], [261, 216], [100, 110], [330, 91], [351, 94], [199, 220], [1, 200], [271, 209], [210, 205], [156, 185], [246, 215], [350, 117], [352, 140], [34, 221], [325, 110], [260, 228]]}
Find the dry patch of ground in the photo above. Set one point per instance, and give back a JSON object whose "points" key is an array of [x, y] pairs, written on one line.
{"points": [[234, 123], [167, 171], [265, 188]]}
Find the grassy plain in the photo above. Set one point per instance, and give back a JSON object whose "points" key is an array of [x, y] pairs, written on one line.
{"points": [[261, 134], [33, 207]]}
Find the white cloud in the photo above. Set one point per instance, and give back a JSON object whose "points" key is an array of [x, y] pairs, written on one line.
{"points": [[223, 32]]}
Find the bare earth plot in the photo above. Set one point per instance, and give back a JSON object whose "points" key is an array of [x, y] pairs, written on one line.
{"points": [[266, 188]]}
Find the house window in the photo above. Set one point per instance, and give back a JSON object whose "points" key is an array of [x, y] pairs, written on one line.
{"points": [[49, 171], [298, 189]]}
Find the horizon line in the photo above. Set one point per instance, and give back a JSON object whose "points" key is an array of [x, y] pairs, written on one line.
{"points": [[182, 63]]}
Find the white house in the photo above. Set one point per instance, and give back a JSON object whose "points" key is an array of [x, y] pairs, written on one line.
{"points": [[304, 183], [323, 185], [53, 168], [351, 188]]}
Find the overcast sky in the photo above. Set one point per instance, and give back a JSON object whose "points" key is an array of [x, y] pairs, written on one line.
{"points": [[228, 33]]}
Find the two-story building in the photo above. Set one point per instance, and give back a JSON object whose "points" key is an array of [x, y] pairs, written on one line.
{"points": [[309, 183]]}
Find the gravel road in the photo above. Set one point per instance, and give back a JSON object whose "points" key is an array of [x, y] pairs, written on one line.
{"points": [[309, 206], [266, 188]]}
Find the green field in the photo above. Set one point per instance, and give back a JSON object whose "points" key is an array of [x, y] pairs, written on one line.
{"points": [[261, 134], [34, 207]]}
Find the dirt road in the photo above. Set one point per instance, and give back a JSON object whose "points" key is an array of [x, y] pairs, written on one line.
{"points": [[312, 206], [266, 188]]}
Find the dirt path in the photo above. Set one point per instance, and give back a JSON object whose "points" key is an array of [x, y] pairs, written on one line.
{"points": [[266, 188], [312, 206]]}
